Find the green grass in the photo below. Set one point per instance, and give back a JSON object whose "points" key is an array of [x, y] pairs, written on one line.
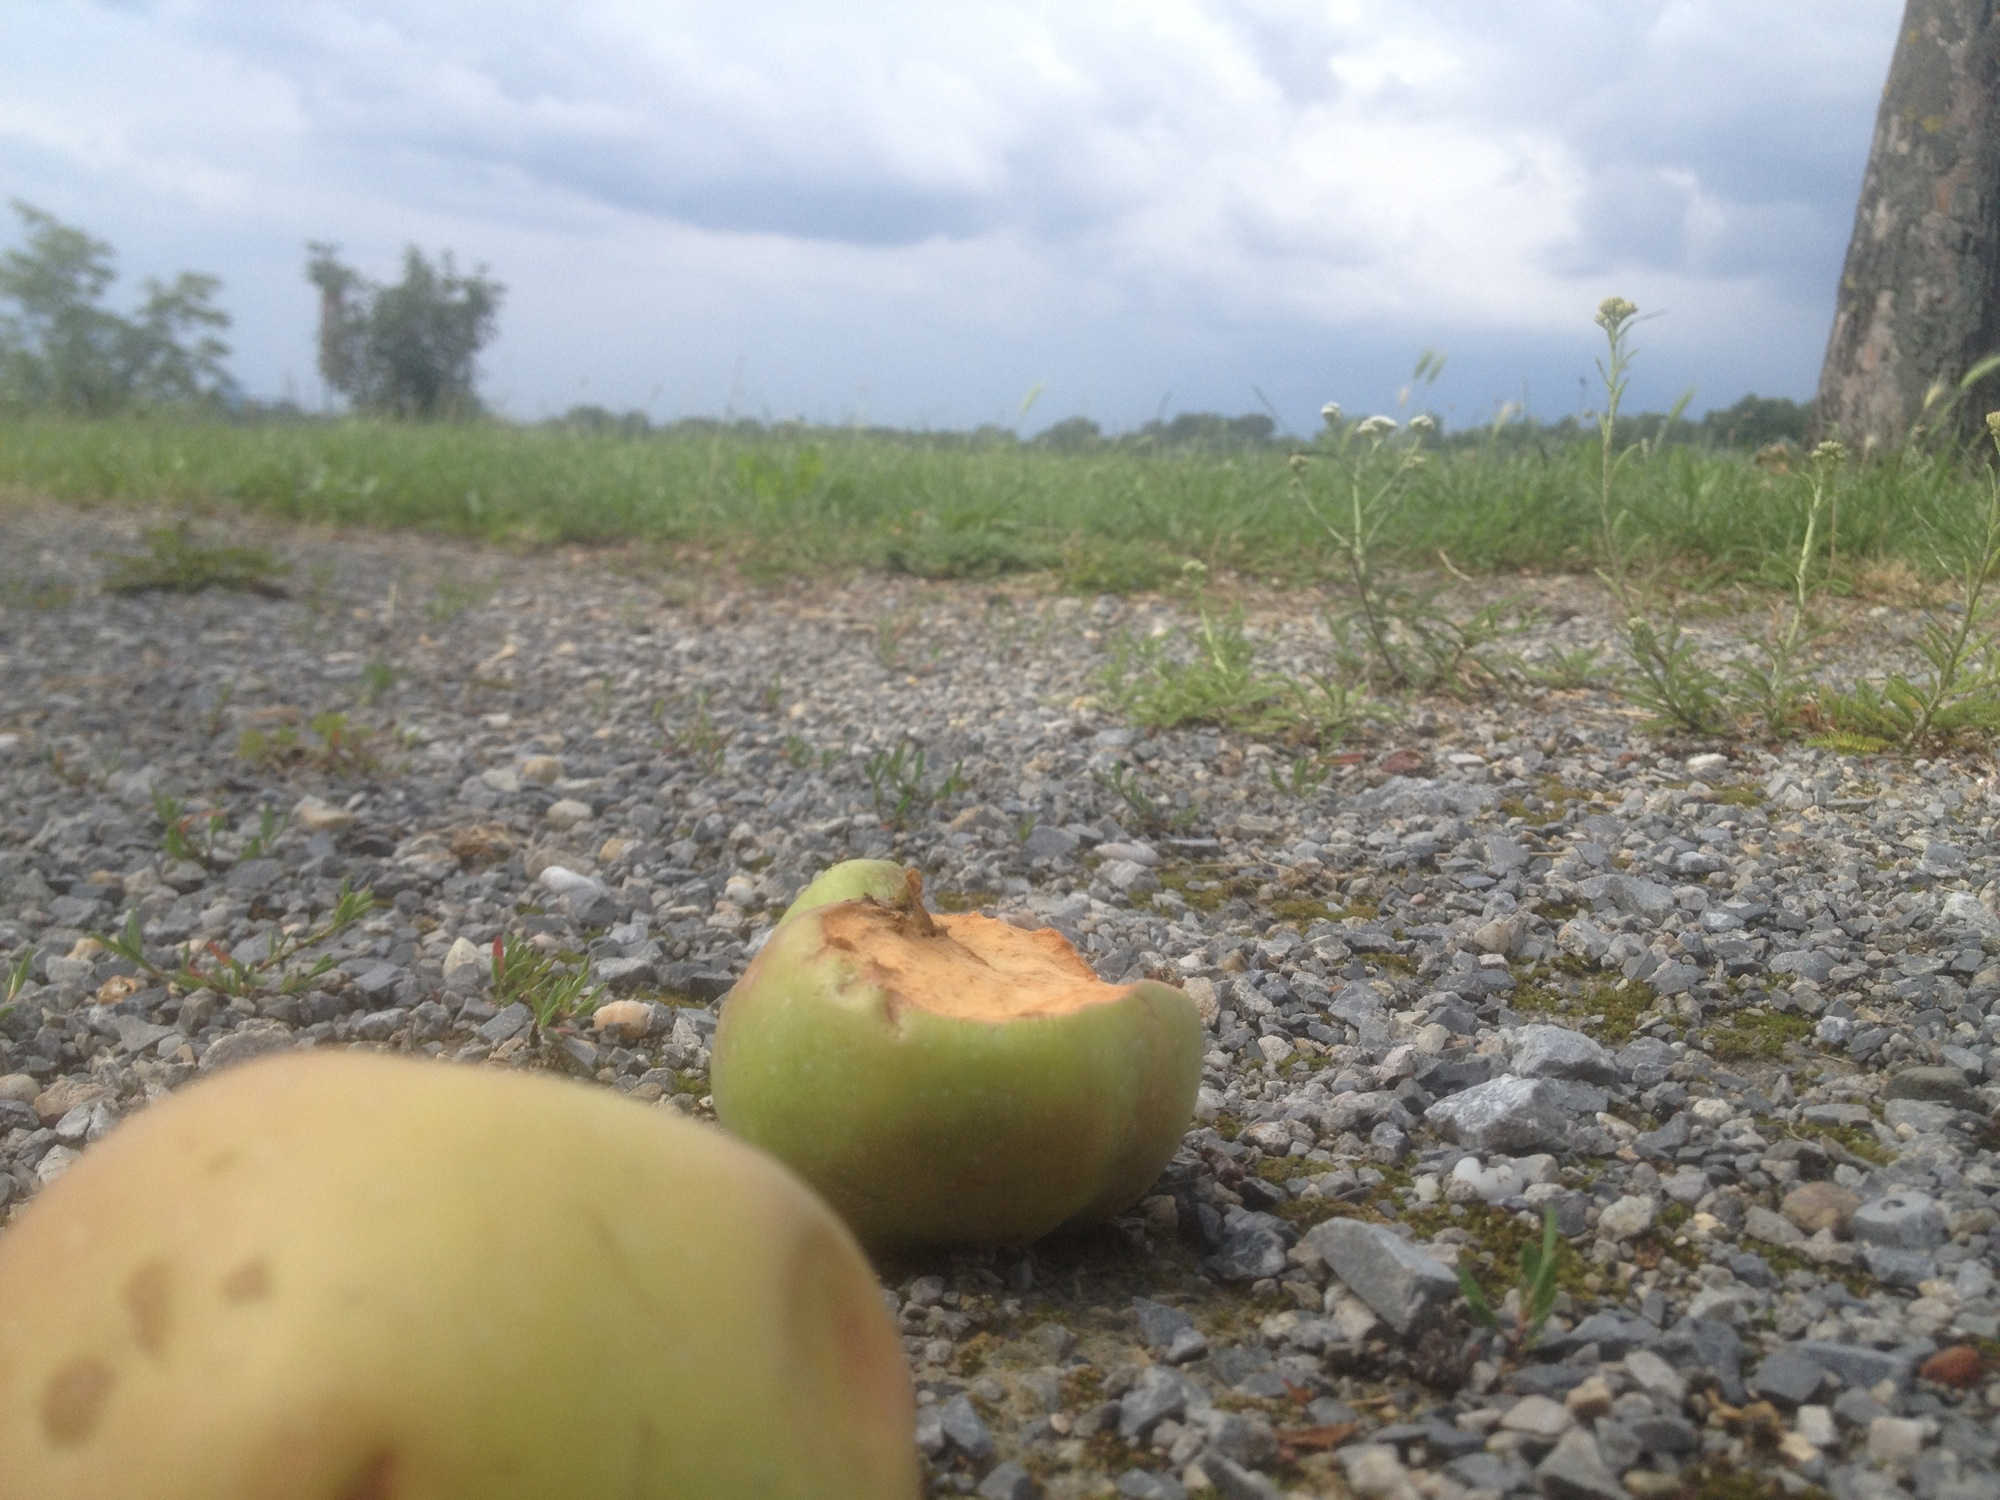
{"points": [[1363, 513], [802, 501], [554, 986]]}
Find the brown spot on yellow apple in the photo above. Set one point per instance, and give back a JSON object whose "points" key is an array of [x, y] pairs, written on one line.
{"points": [[149, 1292], [73, 1400], [248, 1282]]}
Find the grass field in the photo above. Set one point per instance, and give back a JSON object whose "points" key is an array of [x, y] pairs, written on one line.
{"points": [[787, 501], [1360, 507]]}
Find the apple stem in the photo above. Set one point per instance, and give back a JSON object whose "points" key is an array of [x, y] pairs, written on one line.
{"points": [[913, 902]]}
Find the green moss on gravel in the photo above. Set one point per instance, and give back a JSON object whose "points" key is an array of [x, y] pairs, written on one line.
{"points": [[1858, 1140], [1550, 799], [1204, 888], [1285, 1168], [1208, 887], [1756, 1033], [1577, 995], [1783, 1262]]}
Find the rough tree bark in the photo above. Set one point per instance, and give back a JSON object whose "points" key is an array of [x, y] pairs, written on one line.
{"points": [[1920, 293]]}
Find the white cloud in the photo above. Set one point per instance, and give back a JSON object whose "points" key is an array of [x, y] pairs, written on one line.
{"points": [[1145, 176], [168, 117]]}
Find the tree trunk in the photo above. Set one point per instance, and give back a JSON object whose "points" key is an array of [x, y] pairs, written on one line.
{"points": [[1919, 299]]}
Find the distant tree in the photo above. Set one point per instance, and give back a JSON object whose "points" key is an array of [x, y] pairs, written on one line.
{"points": [[59, 348], [1757, 422], [1070, 435], [1207, 429], [343, 325], [593, 418], [1253, 429], [588, 417], [1191, 429], [171, 352], [407, 350], [283, 411], [1919, 297]]}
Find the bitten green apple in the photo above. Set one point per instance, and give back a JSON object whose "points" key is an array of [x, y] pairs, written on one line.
{"points": [[355, 1277], [880, 880], [950, 1078]]}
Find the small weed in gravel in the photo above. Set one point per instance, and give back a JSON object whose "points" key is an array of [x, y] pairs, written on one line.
{"points": [[1204, 673], [192, 836], [544, 982], [899, 781], [17, 978], [697, 735], [1150, 815], [330, 744], [175, 562], [35, 592], [207, 965], [454, 596], [1536, 1295]]}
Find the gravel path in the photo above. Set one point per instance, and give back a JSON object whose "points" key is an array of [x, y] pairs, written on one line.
{"points": [[1733, 1014]]}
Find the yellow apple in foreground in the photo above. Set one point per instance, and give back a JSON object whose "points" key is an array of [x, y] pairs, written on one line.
{"points": [[345, 1276]]}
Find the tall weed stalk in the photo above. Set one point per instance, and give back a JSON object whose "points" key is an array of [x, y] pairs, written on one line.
{"points": [[1776, 686], [1352, 481], [1668, 676], [1959, 691]]}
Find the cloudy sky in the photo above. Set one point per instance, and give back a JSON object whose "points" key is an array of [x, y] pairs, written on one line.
{"points": [[929, 214]]}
